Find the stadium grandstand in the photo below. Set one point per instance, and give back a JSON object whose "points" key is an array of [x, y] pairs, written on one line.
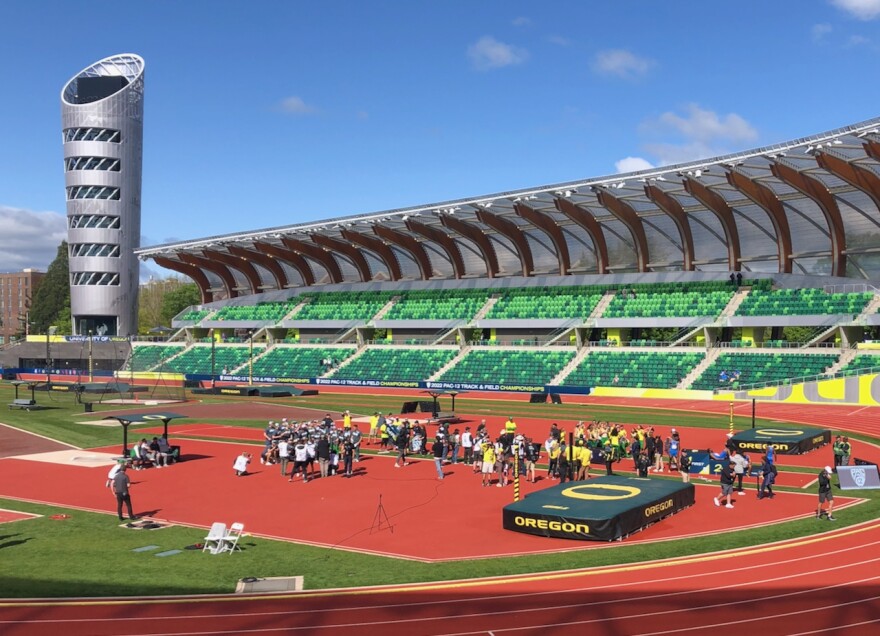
{"points": [[747, 270], [682, 277]]}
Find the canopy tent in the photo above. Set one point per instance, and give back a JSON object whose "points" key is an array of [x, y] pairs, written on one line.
{"points": [[128, 419], [30, 385], [436, 393]]}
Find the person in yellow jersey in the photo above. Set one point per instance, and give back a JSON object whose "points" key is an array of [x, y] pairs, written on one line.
{"points": [[346, 421], [510, 425], [374, 426], [609, 455], [584, 454], [383, 436], [488, 463], [553, 453]]}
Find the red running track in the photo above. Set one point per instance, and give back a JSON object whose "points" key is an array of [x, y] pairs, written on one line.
{"points": [[825, 584]]}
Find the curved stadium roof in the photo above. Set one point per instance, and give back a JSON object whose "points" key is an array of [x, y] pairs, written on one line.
{"points": [[809, 206]]}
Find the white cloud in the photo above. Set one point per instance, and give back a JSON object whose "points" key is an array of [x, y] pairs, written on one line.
{"points": [[295, 106], [632, 164], [559, 40], [857, 40], [669, 153], [521, 21], [819, 31], [29, 238], [703, 125], [488, 53], [859, 9], [696, 134], [621, 63]]}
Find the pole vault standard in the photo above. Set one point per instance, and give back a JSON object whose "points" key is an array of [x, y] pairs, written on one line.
{"points": [[516, 472]]}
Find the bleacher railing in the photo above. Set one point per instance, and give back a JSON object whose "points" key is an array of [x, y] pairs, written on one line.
{"points": [[753, 386], [854, 288]]}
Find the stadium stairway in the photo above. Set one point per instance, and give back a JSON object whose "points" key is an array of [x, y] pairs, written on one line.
{"points": [[385, 309], [735, 301], [458, 358], [571, 366], [600, 308], [293, 312], [871, 308], [491, 301], [845, 358], [329, 374], [697, 371]]}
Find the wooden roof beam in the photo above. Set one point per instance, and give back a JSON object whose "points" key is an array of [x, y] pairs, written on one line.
{"points": [[509, 229], [290, 257], [212, 266], [767, 200], [479, 238], [627, 215], [441, 238], [546, 224], [816, 190], [717, 205], [586, 221], [193, 271]]}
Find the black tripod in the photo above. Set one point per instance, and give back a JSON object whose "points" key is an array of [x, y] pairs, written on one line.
{"points": [[381, 520]]}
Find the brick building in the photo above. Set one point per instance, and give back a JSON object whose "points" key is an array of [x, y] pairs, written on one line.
{"points": [[16, 294]]}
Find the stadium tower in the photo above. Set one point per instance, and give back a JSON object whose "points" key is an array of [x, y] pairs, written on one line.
{"points": [[102, 110]]}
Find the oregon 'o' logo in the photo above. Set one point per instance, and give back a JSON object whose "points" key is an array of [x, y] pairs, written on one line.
{"points": [[601, 492], [777, 432]]}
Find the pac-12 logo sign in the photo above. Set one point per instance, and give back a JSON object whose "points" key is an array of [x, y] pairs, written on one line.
{"points": [[858, 475], [601, 492]]}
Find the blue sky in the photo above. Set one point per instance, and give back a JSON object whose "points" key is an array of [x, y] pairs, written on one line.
{"points": [[261, 114]]}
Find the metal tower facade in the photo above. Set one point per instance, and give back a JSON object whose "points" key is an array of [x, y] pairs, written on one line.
{"points": [[102, 110]]}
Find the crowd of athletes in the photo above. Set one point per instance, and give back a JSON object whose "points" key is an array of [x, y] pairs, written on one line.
{"points": [[323, 448]]}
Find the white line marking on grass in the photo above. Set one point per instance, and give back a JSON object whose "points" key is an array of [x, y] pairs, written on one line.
{"points": [[21, 430]]}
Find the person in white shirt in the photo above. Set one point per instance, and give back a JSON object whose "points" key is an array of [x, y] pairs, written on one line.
{"points": [[283, 455], [300, 460], [478, 454], [241, 463], [115, 469], [467, 443]]}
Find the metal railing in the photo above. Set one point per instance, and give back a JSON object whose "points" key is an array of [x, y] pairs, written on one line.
{"points": [[850, 288]]}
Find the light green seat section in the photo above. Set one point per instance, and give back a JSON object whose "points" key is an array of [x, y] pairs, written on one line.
{"points": [[360, 306], [198, 358], [195, 314], [634, 369], [438, 304], [670, 300], [395, 364], [508, 367], [149, 357], [802, 302], [861, 362], [298, 361], [756, 368], [273, 311], [546, 303]]}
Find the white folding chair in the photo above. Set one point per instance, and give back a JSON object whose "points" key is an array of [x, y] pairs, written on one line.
{"points": [[230, 541], [216, 536]]}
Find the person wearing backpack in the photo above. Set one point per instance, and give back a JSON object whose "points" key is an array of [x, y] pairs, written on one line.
{"points": [[455, 444], [768, 472], [684, 466]]}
